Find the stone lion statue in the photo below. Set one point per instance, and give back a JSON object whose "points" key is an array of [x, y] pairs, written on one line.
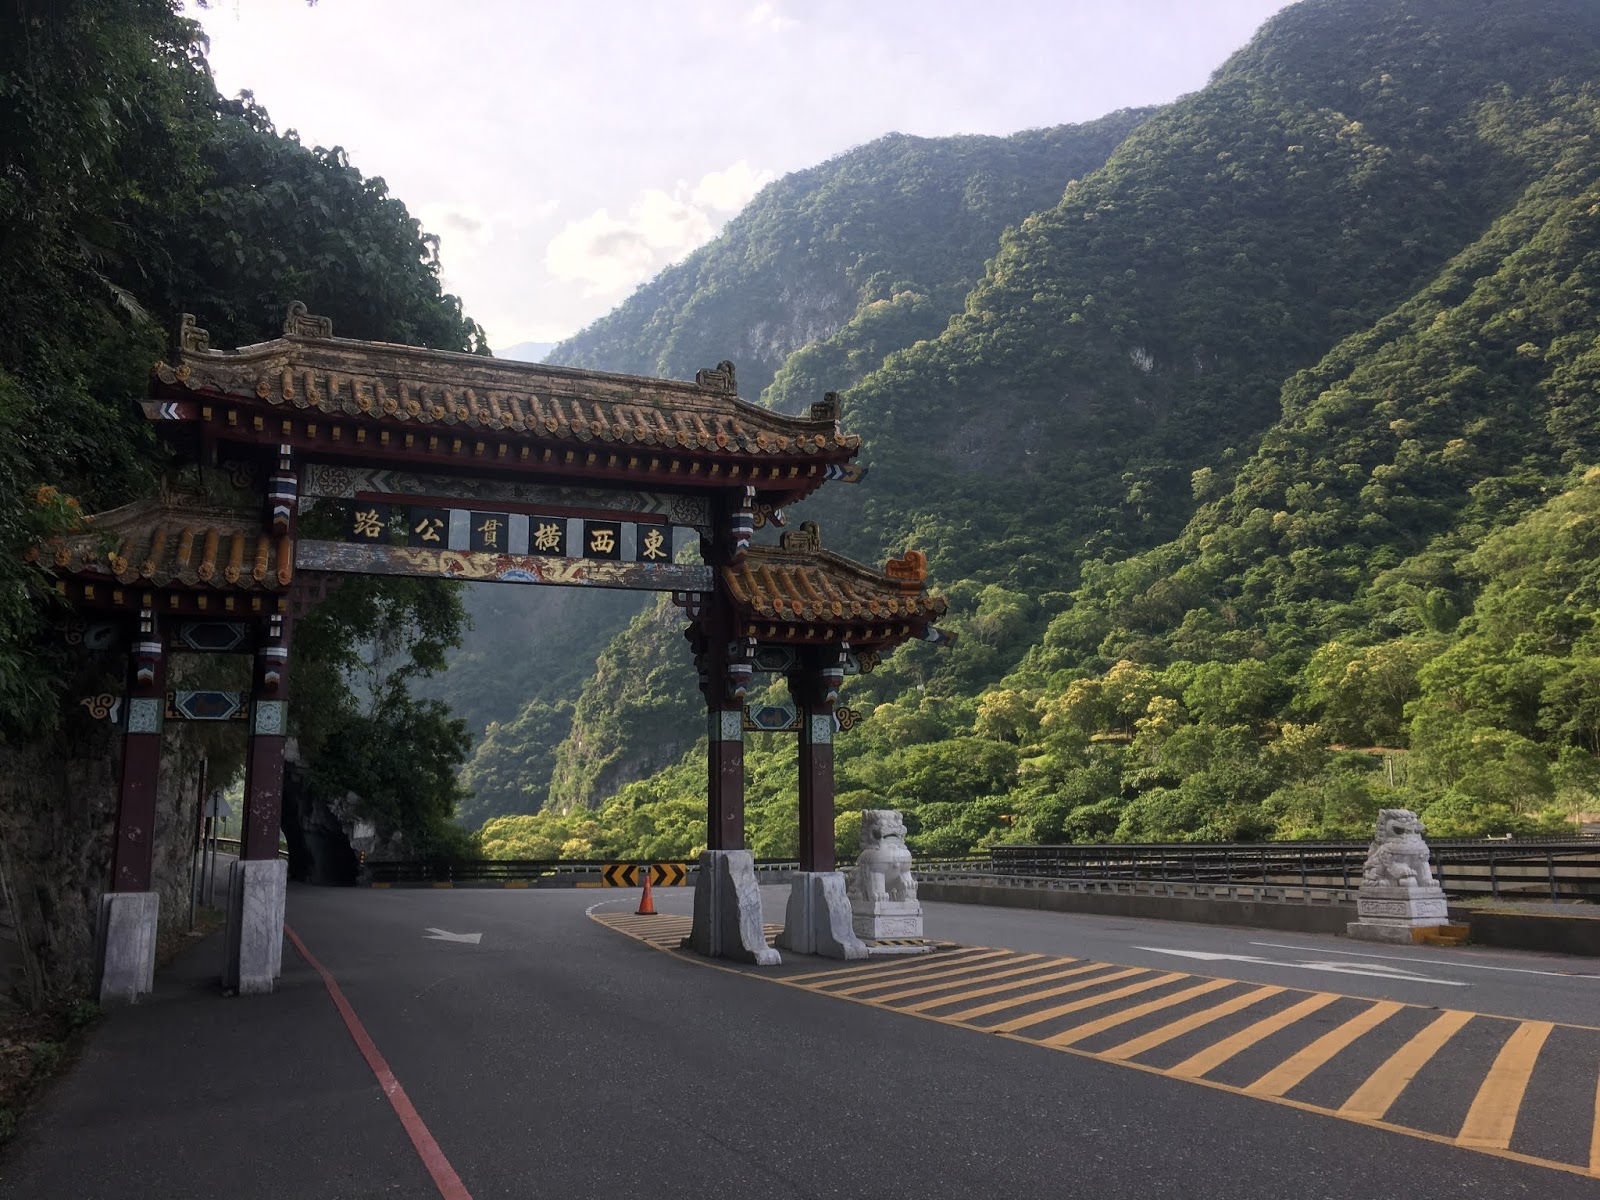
{"points": [[1399, 856], [883, 868]]}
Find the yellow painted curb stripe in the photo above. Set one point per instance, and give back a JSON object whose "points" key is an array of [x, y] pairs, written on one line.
{"points": [[1215, 1055], [378, 885], [1298, 1066], [1493, 1115], [888, 969], [1167, 1033], [963, 997], [516, 883], [439, 884], [933, 969], [983, 1010], [1383, 1087], [1594, 1138], [1061, 1010], [1032, 962], [588, 883], [1089, 1028]]}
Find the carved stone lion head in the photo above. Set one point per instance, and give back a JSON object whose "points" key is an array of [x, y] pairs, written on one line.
{"points": [[881, 825], [1397, 823]]}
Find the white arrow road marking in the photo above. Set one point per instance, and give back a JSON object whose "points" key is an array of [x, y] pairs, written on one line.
{"points": [[1438, 962], [1337, 968], [444, 935]]}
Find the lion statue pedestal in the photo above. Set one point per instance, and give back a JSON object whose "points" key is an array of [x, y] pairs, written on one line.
{"points": [[883, 893], [1398, 895]]}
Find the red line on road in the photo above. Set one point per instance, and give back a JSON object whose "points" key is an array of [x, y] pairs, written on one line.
{"points": [[444, 1175]]}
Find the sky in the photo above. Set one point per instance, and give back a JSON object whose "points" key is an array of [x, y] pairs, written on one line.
{"points": [[565, 151]]}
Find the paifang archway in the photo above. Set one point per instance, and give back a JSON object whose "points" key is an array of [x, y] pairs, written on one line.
{"points": [[452, 465]]}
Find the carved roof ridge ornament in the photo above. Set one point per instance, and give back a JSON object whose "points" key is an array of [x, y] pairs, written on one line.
{"points": [[805, 540], [719, 378], [300, 323], [191, 338]]}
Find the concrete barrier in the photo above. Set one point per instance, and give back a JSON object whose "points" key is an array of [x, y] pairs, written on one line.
{"points": [[1287, 916], [1552, 933]]}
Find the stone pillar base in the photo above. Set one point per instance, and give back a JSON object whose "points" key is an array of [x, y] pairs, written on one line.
{"points": [[727, 910], [876, 919], [253, 944], [125, 946], [817, 920], [1389, 913]]}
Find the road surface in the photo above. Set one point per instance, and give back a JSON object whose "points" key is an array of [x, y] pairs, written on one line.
{"points": [[561, 1053]]}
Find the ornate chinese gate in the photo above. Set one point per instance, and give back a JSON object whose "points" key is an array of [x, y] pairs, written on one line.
{"points": [[312, 455]]}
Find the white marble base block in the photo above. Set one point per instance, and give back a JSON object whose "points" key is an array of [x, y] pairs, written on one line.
{"points": [[253, 945], [818, 919], [727, 910], [877, 919], [1390, 913], [125, 946]]}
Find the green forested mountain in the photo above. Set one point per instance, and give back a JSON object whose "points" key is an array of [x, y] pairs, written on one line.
{"points": [[1255, 468], [841, 264], [885, 239]]}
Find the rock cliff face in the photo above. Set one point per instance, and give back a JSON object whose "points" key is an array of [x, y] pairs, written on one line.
{"points": [[58, 809]]}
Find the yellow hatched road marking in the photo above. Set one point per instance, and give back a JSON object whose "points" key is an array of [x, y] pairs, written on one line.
{"points": [[1031, 959], [1167, 1033], [887, 969], [962, 997], [1365, 1107], [1383, 1087], [1594, 1138], [1078, 1032], [1493, 1114], [1032, 962], [983, 1010], [1061, 1010], [1293, 1070], [1215, 1055]]}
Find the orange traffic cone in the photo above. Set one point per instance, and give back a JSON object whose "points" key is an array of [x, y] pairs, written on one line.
{"points": [[647, 906]]}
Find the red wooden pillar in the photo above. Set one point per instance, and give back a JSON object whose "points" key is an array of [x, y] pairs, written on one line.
{"points": [[269, 727], [133, 856], [721, 657], [725, 781], [815, 687]]}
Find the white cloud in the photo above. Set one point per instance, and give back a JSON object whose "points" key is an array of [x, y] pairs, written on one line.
{"points": [[609, 254], [766, 18], [731, 188]]}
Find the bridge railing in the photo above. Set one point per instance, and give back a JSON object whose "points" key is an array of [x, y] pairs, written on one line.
{"points": [[1534, 868]]}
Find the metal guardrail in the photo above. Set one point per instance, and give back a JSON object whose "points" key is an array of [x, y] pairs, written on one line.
{"points": [[1562, 869], [232, 846], [1558, 868]]}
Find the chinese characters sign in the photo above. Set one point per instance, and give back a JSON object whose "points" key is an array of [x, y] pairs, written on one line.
{"points": [[489, 532]]}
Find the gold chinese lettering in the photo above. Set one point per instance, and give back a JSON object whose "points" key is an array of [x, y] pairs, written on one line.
{"points": [[490, 532], [429, 528], [547, 537], [602, 541], [654, 547], [367, 524]]}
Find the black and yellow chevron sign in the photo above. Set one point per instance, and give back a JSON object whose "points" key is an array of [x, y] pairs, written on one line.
{"points": [[619, 875], [669, 874]]}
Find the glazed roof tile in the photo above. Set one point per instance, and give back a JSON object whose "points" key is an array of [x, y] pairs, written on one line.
{"points": [[309, 368], [798, 582], [158, 543]]}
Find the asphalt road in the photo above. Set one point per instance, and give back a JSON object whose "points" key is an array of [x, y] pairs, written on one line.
{"points": [[556, 1057]]}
